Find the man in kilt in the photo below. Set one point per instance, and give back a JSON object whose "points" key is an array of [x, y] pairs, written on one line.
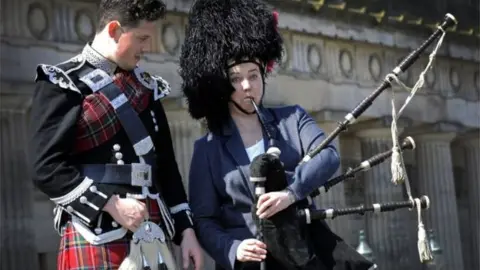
{"points": [[101, 146]]}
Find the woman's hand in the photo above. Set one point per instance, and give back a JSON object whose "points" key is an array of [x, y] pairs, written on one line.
{"points": [[273, 202], [251, 250]]}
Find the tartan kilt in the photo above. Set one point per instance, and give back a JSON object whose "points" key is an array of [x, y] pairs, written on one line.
{"points": [[75, 253]]}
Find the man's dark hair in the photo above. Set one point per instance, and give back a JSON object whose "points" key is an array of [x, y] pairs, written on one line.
{"points": [[129, 12]]}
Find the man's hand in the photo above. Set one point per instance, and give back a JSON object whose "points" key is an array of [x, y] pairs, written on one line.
{"points": [[273, 202], [191, 249], [128, 212]]}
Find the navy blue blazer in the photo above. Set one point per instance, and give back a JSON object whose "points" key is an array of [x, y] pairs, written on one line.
{"points": [[221, 195]]}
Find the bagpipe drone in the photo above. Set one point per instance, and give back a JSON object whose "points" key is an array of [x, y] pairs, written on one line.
{"points": [[290, 235]]}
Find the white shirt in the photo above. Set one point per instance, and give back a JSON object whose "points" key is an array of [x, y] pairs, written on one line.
{"points": [[255, 150]]}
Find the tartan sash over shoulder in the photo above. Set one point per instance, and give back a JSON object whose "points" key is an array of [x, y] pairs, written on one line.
{"points": [[98, 122]]}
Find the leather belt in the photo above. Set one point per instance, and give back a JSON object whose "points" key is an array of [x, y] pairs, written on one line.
{"points": [[135, 174]]}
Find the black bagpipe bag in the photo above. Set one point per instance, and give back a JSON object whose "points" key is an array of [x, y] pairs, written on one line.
{"points": [[295, 245]]}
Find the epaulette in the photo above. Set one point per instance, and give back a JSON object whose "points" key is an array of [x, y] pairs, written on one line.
{"points": [[55, 76], [72, 64], [157, 84], [58, 74]]}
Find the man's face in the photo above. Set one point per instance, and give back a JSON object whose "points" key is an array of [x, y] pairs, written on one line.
{"points": [[133, 42]]}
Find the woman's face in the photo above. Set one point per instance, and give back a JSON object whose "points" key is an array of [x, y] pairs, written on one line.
{"points": [[247, 81]]}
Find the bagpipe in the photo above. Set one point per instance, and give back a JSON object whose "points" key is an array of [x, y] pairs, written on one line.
{"points": [[294, 236]]}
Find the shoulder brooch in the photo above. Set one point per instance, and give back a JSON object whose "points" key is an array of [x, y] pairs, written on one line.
{"points": [[157, 84]]}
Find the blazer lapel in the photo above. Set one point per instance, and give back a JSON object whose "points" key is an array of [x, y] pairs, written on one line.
{"points": [[236, 149]]}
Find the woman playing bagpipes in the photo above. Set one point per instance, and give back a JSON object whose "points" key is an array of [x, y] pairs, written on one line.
{"points": [[229, 50]]}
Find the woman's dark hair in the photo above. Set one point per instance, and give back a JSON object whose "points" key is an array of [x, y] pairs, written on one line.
{"points": [[129, 12]]}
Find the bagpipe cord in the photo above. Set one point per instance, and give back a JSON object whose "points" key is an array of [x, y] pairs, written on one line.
{"points": [[398, 169]]}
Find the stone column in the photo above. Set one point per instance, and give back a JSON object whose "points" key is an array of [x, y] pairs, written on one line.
{"points": [[390, 234], [335, 197], [353, 193], [184, 133], [437, 182], [17, 246], [472, 151]]}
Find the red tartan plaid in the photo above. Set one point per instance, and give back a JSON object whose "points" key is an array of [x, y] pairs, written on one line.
{"points": [[98, 121], [76, 253]]}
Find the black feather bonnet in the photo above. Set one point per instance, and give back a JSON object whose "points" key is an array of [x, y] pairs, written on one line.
{"points": [[218, 32]]}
